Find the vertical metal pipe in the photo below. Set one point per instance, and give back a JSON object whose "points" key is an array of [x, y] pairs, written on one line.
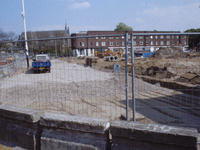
{"points": [[133, 84], [25, 35], [127, 103]]}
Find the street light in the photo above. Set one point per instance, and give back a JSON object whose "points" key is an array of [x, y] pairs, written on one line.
{"points": [[25, 35]]}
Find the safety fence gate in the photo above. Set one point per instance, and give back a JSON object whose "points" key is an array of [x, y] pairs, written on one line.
{"points": [[109, 76], [170, 91]]}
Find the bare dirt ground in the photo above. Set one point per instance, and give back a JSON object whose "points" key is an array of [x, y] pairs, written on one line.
{"points": [[76, 89]]}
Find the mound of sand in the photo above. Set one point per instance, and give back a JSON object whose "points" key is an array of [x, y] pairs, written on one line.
{"points": [[170, 53]]}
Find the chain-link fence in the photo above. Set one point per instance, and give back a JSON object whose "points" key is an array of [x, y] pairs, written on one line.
{"points": [[92, 82]]}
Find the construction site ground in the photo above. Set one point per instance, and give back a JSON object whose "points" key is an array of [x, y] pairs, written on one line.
{"points": [[74, 88]]}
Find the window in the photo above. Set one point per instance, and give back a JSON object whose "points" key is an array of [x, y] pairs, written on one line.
{"points": [[172, 42], [184, 36], [110, 43], [103, 37], [141, 42], [122, 37], [103, 43], [172, 36], [147, 43], [83, 44], [117, 43], [156, 42], [177, 36], [162, 37], [147, 37], [134, 37], [134, 42], [111, 37], [90, 43], [177, 42], [185, 42], [97, 43], [80, 44], [156, 37], [168, 42], [117, 37], [140, 37], [97, 37], [122, 43], [129, 36], [151, 37], [161, 43], [151, 42], [168, 36]]}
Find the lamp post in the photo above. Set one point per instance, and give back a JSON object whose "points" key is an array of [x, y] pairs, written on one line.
{"points": [[25, 35]]}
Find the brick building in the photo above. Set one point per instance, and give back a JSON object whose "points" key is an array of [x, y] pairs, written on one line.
{"points": [[87, 46]]}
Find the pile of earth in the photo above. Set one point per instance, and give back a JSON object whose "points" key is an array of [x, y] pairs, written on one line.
{"points": [[190, 77], [169, 53], [154, 71]]}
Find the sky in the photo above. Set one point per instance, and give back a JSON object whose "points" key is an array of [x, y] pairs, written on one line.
{"points": [[85, 15]]}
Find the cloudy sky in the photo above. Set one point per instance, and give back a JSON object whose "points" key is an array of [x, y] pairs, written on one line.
{"points": [[84, 15]]}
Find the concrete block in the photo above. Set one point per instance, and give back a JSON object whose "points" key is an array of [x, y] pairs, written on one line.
{"points": [[20, 127], [142, 136], [20, 113], [78, 123], [61, 131]]}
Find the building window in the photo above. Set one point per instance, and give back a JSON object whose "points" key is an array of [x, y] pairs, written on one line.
{"points": [[141, 42], [161, 43], [117, 43], [122, 37], [122, 43], [134, 37], [140, 37], [83, 44], [172, 42], [97, 43], [156, 37], [177, 36], [117, 37], [80, 44], [184, 36], [103, 37], [172, 36], [156, 42], [110, 43], [129, 36], [162, 37], [110, 37], [151, 42], [97, 37], [147, 43], [103, 43], [168, 36], [151, 37], [168, 42], [147, 37], [90, 43], [134, 43]]}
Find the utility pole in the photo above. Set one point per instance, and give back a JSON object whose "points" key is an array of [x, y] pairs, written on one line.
{"points": [[25, 35]]}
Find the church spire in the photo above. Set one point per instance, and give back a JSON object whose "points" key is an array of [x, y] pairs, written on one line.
{"points": [[65, 25]]}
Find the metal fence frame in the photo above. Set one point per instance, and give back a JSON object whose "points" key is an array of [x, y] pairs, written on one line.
{"points": [[126, 58]]}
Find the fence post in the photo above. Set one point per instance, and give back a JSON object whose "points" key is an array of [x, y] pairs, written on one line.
{"points": [[127, 102], [133, 85]]}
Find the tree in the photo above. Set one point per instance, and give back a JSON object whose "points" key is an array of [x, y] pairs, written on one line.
{"points": [[7, 36], [193, 39], [123, 27]]}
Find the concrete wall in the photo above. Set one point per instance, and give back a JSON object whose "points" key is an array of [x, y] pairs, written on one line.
{"points": [[22, 128]]}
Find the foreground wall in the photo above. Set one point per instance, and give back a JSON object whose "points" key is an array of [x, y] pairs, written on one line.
{"points": [[22, 128]]}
